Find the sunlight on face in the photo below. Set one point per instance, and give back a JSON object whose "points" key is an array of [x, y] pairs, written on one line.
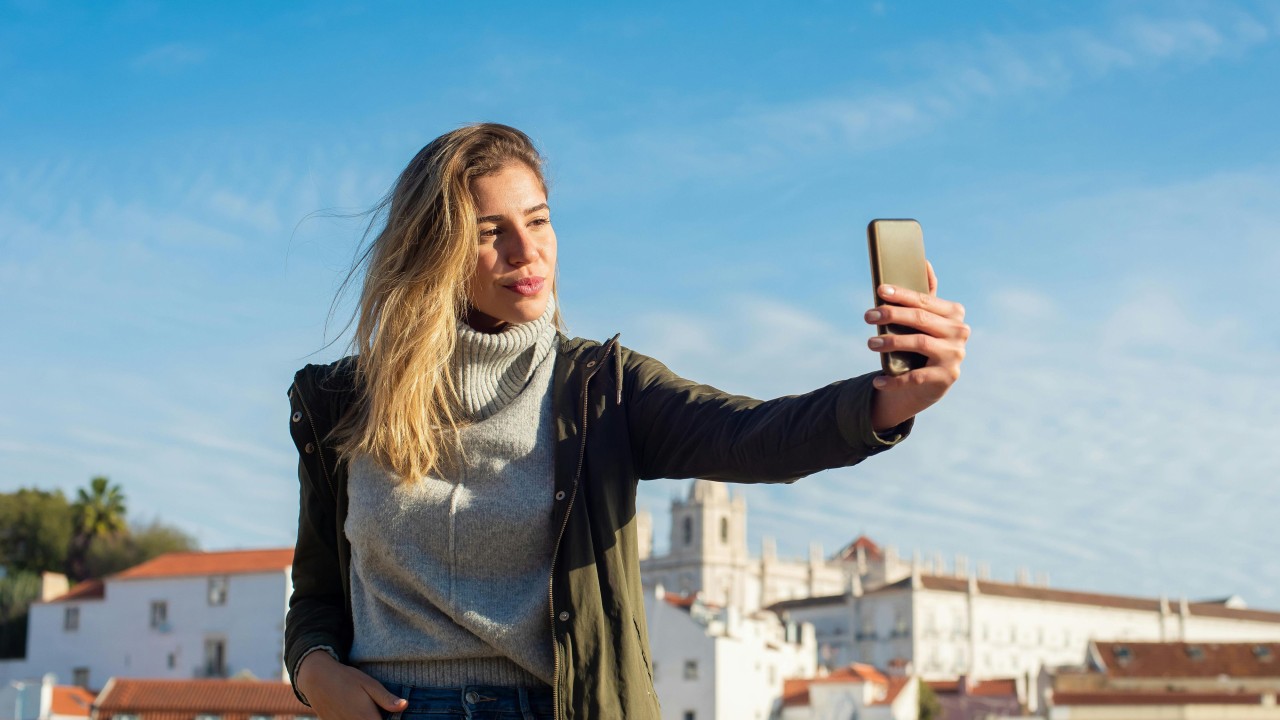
{"points": [[516, 249]]}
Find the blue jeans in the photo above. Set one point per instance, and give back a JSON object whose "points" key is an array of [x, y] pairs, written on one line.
{"points": [[473, 702]]}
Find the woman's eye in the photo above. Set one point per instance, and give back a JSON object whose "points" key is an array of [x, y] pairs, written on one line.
{"points": [[489, 233], [540, 221]]}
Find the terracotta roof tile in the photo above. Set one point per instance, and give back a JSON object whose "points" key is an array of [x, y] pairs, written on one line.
{"points": [[87, 590], [1007, 687], [1028, 592], [854, 672], [896, 685], [1189, 660], [229, 562], [680, 601], [213, 697], [1155, 698], [71, 700], [795, 692], [850, 552]]}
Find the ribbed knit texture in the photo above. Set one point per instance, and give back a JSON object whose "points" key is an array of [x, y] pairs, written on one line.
{"points": [[449, 574]]}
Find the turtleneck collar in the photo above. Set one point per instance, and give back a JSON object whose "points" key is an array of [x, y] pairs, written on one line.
{"points": [[492, 368]]}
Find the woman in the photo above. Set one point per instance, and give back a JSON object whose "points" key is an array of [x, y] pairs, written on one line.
{"points": [[467, 538]]}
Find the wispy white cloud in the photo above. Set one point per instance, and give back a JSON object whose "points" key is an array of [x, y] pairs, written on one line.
{"points": [[1085, 439], [951, 80]]}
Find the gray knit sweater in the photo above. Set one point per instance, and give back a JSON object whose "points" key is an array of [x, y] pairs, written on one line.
{"points": [[449, 574]]}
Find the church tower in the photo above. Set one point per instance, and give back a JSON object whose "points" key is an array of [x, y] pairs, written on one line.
{"points": [[708, 548]]}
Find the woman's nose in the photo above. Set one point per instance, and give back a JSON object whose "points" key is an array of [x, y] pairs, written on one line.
{"points": [[522, 249]]}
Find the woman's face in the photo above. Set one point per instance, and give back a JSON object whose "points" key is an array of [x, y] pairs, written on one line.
{"points": [[516, 249]]}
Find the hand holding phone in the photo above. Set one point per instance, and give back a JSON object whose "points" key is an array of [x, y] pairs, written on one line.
{"points": [[920, 337]]}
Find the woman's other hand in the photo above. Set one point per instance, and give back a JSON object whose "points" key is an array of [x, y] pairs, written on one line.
{"points": [[341, 692], [941, 338]]}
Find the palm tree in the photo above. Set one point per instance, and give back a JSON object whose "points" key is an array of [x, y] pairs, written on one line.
{"points": [[97, 512]]}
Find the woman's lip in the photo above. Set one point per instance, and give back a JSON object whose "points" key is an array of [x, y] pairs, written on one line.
{"points": [[527, 287]]}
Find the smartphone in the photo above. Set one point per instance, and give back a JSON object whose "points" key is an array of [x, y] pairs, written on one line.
{"points": [[897, 258]]}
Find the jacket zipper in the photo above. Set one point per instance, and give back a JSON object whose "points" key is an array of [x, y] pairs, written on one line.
{"points": [[555, 552]]}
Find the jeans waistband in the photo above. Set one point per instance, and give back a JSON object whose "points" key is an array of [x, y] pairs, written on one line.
{"points": [[475, 701]]}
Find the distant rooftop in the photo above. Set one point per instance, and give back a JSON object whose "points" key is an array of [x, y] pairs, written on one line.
{"points": [[163, 699], [226, 562]]}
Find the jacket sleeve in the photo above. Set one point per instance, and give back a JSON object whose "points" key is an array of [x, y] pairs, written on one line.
{"points": [[683, 429], [317, 616]]}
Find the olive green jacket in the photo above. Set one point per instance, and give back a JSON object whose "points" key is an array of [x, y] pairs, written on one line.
{"points": [[619, 417]]}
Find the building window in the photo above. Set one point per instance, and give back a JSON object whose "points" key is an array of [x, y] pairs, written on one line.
{"points": [[655, 671], [215, 657], [172, 661], [690, 715], [208, 717], [688, 531], [218, 590], [160, 614], [690, 669], [71, 619], [80, 677], [724, 530]]}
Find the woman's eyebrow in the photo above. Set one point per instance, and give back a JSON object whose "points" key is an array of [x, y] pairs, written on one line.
{"points": [[498, 218]]}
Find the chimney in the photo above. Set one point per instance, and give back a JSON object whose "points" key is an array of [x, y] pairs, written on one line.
{"points": [[962, 566]]}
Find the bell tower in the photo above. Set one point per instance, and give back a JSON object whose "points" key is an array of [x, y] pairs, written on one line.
{"points": [[709, 542]]}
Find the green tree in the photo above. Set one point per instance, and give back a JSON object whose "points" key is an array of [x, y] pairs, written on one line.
{"points": [[17, 591], [35, 530], [930, 705], [99, 511], [143, 541]]}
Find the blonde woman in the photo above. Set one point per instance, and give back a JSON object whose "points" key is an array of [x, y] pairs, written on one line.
{"points": [[467, 540]]}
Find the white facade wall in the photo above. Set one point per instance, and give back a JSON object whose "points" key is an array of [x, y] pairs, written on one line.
{"points": [[114, 635], [675, 639], [944, 634], [739, 663]]}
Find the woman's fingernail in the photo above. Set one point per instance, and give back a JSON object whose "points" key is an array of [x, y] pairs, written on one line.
{"points": [[873, 315], [875, 342], [886, 289], [879, 382]]}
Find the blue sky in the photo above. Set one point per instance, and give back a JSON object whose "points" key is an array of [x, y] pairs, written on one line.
{"points": [[1099, 183]]}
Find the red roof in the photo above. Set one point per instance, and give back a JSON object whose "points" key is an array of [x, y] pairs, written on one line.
{"points": [[680, 601], [999, 687], [896, 685], [228, 698], [228, 562], [1007, 687], [854, 673], [850, 551], [1189, 660], [1170, 697], [71, 700], [87, 590], [795, 692]]}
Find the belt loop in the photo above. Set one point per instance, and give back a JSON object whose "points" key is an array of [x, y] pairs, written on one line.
{"points": [[525, 708]]}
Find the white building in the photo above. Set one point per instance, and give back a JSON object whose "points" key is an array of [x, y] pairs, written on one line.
{"points": [[181, 615], [855, 691], [946, 627], [867, 604], [714, 663]]}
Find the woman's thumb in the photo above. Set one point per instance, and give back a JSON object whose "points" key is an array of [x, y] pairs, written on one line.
{"points": [[384, 697]]}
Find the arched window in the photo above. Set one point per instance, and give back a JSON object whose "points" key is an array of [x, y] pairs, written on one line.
{"points": [[724, 530], [688, 531]]}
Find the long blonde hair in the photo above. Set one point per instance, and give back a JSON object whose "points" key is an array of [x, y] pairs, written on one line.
{"points": [[406, 411]]}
